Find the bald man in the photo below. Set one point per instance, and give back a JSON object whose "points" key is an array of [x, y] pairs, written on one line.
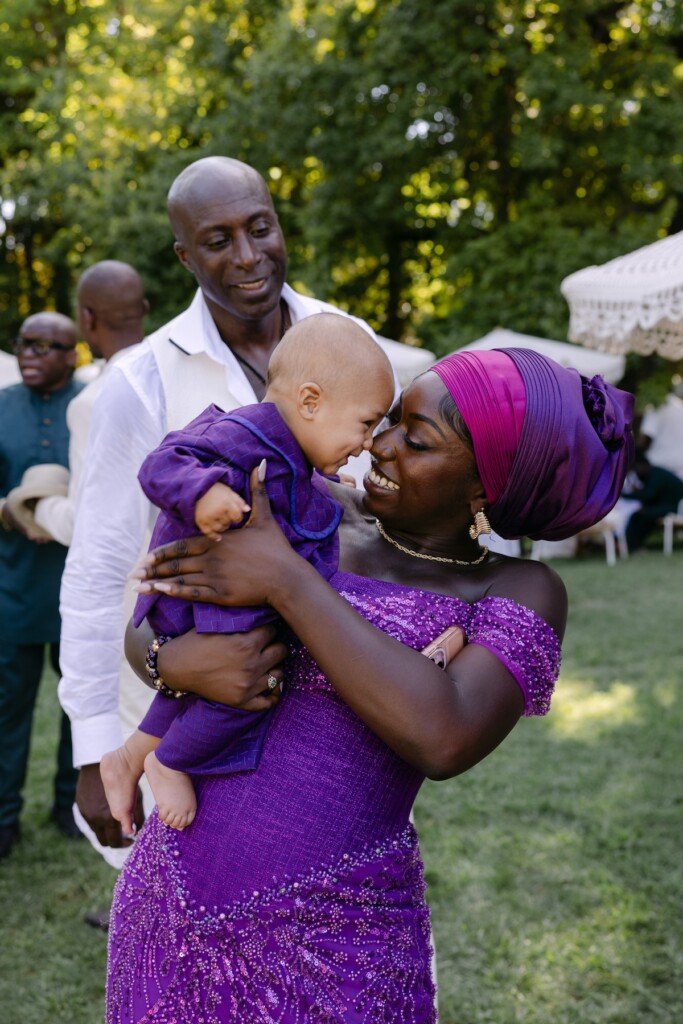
{"points": [[33, 431], [227, 235], [111, 307]]}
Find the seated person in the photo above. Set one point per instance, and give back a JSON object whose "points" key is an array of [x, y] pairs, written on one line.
{"points": [[659, 493], [329, 386]]}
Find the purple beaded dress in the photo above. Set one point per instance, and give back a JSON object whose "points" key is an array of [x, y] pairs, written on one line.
{"points": [[297, 894]]}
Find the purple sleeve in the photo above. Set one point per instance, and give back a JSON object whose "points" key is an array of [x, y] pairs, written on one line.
{"points": [[204, 738], [161, 713], [190, 461], [526, 645], [214, 739]]}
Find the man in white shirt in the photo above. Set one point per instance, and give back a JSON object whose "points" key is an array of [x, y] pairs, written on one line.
{"points": [[228, 236], [111, 306]]}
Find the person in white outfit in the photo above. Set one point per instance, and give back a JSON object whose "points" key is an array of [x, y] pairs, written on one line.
{"points": [[111, 308], [228, 237]]}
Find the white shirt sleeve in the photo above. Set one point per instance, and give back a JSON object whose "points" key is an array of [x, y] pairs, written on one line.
{"points": [[110, 529], [56, 515]]}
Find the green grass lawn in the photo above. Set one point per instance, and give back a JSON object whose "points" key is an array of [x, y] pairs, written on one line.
{"points": [[52, 965], [554, 868]]}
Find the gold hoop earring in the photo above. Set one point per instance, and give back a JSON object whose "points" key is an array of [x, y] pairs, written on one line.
{"points": [[480, 525]]}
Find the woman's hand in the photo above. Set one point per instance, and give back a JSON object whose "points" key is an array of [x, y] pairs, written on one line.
{"points": [[231, 669], [234, 669], [241, 570]]}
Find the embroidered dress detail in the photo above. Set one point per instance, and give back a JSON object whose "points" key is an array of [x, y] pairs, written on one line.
{"points": [[288, 953]]}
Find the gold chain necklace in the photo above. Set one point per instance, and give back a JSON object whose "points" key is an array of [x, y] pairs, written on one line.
{"points": [[431, 558]]}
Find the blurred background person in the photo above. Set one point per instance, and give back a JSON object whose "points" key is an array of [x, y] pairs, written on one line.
{"points": [[659, 491], [111, 309], [33, 431]]}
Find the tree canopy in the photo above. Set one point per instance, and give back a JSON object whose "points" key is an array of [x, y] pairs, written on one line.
{"points": [[438, 168]]}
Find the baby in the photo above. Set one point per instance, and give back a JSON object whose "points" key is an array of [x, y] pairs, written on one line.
{"points": [[329, 386]]}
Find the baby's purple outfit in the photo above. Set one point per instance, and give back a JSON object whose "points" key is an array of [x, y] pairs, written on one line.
{"points": [[199, 736], [297, 894]]}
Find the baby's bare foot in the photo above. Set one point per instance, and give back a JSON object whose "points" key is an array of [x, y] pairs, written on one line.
{"points": [[120, 779], [173, 792]]}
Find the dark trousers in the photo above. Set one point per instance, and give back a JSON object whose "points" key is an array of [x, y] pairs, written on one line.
{"points": [[644, 521], [21, 667]]}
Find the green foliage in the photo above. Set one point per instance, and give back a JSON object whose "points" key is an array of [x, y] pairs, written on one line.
{"points": [[522, 264], [439, 170]]}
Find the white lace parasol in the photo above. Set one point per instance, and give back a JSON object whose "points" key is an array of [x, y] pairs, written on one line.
{"points": [[634, 303]]}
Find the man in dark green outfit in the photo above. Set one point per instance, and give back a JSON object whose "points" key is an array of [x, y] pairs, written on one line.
{"points": [[33, 431]]}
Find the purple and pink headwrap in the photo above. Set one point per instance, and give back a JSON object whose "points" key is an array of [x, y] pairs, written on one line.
{"points": [[552, 447]]}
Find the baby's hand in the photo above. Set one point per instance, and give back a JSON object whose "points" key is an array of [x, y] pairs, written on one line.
{"points": [[218, 509]]}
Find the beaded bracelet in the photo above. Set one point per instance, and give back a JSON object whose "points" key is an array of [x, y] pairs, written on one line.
{"points": [[153, 671]]}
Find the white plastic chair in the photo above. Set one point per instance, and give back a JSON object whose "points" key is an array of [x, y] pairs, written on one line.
{"points": [[670, 522], [611, 530]]}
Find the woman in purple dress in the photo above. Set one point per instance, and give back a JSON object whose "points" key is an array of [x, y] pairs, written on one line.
{"points": [[297, 895]]}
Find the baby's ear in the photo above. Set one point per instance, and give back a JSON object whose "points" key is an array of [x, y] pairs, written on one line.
{"points": [[309, 399]]}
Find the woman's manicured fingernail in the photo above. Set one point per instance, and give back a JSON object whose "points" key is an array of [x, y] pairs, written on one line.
{"points": [[261, 473], [143, 588], [165, 588]]}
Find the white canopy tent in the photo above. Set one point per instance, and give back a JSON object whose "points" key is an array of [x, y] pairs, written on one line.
{"points": [[634, 303], [587, 361], [407, 360]]}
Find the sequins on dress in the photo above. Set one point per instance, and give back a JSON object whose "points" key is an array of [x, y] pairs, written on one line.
{"points": [[297, 895]]}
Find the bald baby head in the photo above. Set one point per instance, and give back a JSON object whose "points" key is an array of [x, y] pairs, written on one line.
{"points": [[332, 350], [332, 384]]}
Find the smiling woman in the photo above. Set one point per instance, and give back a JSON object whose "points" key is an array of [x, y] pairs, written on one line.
{"points": [[297, 893]]}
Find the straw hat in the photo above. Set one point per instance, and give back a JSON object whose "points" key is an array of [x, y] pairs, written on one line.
{"points": [[41, 481]]}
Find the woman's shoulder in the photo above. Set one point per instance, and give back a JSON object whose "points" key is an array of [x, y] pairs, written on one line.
{"points": [[533, 584]]}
